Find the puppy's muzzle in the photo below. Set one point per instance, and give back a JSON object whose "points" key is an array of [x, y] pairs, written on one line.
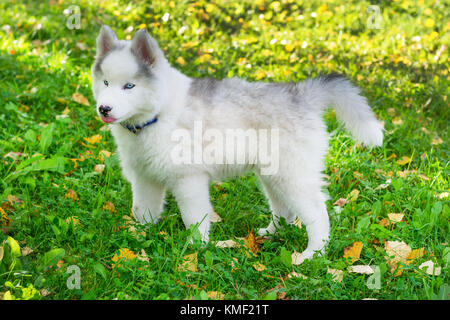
{"points": [[104, 110]]}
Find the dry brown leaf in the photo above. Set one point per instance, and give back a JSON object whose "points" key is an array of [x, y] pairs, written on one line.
{"points": [[353, 251], [142, 256], [338, 275], [340, 202], [259, 266], [227, 244], [429, 268], [384, 185], [214, 217], [436, 141], [234, 264], [215, 295], [395, 217], [403, 174], [26, 251], [397, 252], [134, 231], [363, 269], [294, 274], [424, 177], [14, 200], [443, 195], [74, 220], [297, 258], [44, 292], [384, 222], [298, 222], [79, 98], [189, 263], [71, 194], [109, 206], [397, 121], [99, 168], [358, 175], [13, 155]]}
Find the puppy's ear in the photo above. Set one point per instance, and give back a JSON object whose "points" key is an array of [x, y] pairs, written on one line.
{"points": [[145, 47], [106, 41]]}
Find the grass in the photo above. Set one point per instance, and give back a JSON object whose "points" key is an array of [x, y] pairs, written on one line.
{"points": [[58, 212]]}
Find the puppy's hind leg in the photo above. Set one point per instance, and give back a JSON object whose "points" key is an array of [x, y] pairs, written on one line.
{"points": [[313, 214], [304, 199], [279, 209]]}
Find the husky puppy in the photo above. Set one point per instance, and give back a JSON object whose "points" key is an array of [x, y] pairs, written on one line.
{"points": [[145, 100]]}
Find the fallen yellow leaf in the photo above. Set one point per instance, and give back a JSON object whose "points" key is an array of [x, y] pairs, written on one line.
{"points": [[104, 154], [354, 195], [259, 266], [181, 61], [5, 221], [251, 244], [94, 139], [404, 160], [74, 220], [109, 206], [353, 251], [215, 295], [71, 194], [124, 255], [415, 254], [294, 274]]}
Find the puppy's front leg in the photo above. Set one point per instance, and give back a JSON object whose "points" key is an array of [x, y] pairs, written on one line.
{"points": [[192, 195], [148, 200]]}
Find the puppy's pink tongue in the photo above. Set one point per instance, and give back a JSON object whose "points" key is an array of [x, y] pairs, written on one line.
{"points": [[108, 120]]}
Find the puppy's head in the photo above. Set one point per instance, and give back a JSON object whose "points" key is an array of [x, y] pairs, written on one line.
{"points": [[128, 77]]}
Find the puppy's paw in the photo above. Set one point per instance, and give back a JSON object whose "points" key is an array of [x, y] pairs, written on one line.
{"points": [[309, 253], [267, 231], [143, 216]]}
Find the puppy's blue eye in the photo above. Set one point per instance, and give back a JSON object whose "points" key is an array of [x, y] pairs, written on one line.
{"points": [[106, 83], [129, 86]]}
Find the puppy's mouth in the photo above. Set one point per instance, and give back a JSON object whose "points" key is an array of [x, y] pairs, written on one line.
{"points": [[108, 119]]}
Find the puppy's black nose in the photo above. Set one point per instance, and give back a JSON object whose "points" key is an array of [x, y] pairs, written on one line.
{"points": [[104, 110]]}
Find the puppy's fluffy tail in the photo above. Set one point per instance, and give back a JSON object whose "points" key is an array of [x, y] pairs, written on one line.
{"points": [[351, 108]]}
